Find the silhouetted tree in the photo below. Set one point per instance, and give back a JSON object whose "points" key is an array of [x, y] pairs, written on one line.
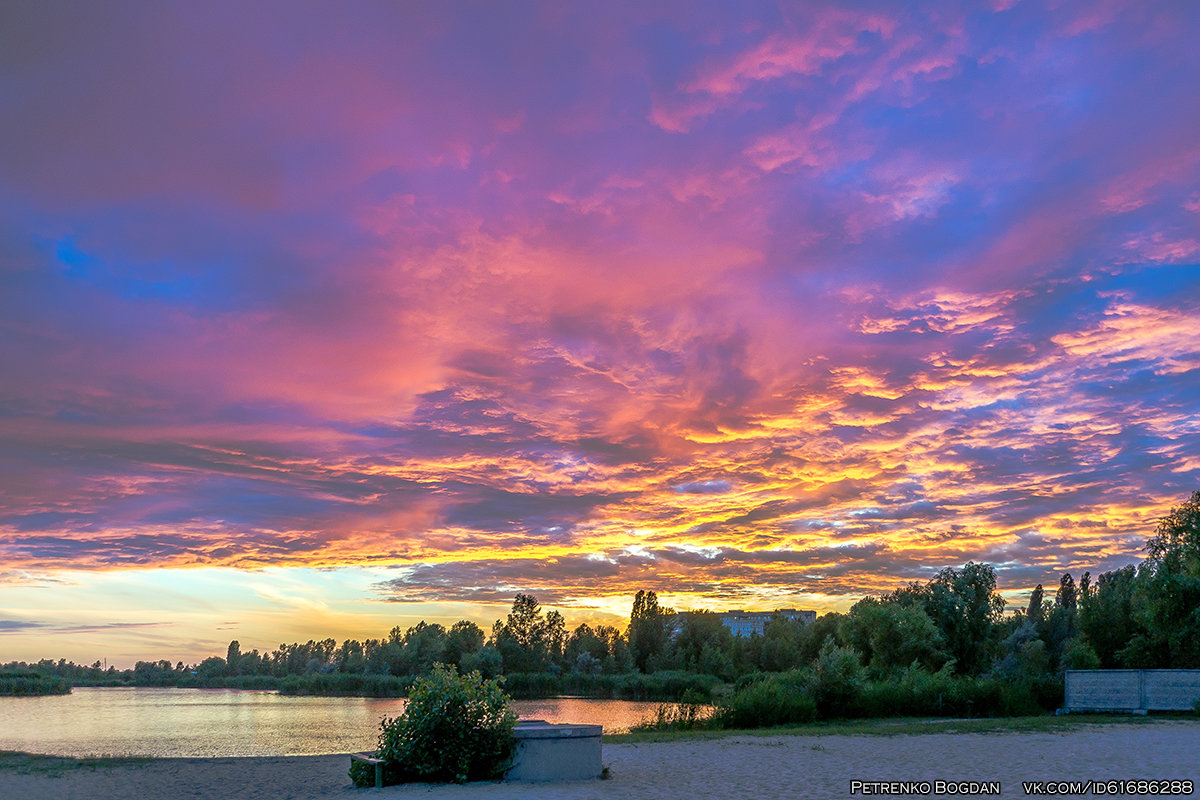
{"points": [[1066, 597], [523, 638], [1033, 612], [465, 638], [233, 657], [647, 629]]}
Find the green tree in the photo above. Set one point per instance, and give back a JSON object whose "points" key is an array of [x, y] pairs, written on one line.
{"points": [[965, 606], [1078, 654], [780, 646], [619, 660], [1177, 540], [1067, 597], [464, 638], [1035, 612], [826, 626], [585, 650], [702, 637], [487, 661], [894, 635], [349, 657], [1167, 597], [838, 678], [647, 629], [1106, 615], [554, 636], [523, 639], [233, 657], [424, 646]]}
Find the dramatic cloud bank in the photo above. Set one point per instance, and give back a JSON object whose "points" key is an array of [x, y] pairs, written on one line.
{"points": [[752, 306]]}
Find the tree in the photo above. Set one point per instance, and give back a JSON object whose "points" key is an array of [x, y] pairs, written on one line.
{"points": [[1066, 597], [523, 638], [1167, 595], [780, 646], [1033, 612], [893, 635], [486, 661], [349, 657], [701, 636], [1177, 540], [619, 659], [424, 646], [647, 629], [585, 641], [1078, 654], [1106, 615], [554, 635], [812, 639], [233, 656], [464, 638], [965, 606]]}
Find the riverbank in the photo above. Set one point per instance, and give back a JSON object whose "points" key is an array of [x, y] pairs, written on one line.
{"points": [[732, 766]]}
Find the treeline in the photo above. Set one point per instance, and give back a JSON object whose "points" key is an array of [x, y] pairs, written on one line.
{"points": [[944, 646]]}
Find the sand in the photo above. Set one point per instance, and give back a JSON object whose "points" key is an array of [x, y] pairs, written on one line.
{"points": [[735, 767]]}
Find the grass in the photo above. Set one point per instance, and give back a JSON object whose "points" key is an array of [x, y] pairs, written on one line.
{"points": [[904, 727], [54, 766]]}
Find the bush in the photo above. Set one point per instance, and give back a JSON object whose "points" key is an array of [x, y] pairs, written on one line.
{"points": [[775, 700], [455, 728], [914, 691], [839, 679]]}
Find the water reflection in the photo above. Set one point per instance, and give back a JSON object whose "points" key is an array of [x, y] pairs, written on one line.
{"points": [[234, 722]]}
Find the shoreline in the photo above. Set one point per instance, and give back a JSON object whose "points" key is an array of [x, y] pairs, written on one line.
{"points": [[738, 765]]}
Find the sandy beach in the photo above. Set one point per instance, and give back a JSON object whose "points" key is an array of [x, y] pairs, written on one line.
{"points": [[735, 767]]}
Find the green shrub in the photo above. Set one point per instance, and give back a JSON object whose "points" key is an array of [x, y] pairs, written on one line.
{"points": [[914, 691], [455, 728], [839, 681], [780, 699]]}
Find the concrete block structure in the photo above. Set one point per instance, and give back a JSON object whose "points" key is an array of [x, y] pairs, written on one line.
{"points": [[555, 752], [1132, 690]]}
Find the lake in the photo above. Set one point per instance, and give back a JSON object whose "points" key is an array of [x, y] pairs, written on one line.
{"points": [[237, 722]]}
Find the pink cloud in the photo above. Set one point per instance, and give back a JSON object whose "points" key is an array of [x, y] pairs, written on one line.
{"points": [[1160, 249], [828, 37], [1172, 163]]}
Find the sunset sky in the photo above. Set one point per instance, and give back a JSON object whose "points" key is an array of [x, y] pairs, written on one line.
{"points": [[321, 318]]}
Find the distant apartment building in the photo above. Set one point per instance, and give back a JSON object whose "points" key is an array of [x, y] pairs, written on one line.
{"points": [[747, 623]]}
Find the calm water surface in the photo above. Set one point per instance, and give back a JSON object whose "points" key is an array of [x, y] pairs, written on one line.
{"points": [[236, 722]]}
